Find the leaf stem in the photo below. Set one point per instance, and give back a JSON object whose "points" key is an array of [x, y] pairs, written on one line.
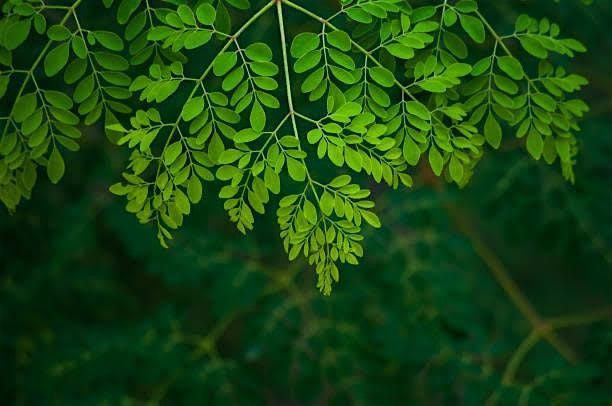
{"points": [[491, 30], [292, 112], [281, 25]]}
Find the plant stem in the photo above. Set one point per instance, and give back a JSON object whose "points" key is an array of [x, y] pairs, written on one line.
{"points": [[492, 31], [292, 112], [281, 25]]}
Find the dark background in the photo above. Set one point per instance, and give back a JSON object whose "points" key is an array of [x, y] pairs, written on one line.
{"points": [[93, 311]]}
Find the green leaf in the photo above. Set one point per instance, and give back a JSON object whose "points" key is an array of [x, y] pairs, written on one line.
{"points": [[343, 75], [257, 117], [466, 6], [223, 22], [340, 181], [206, 14], [56, 59], [400, 51], [182, 202], [4, 83], [340, 40], [16, 34], [230, 156], [411, 151], [353, 159], [303, 43], [109, 40], [435, 160], [335, 155], [545, 101], [56, 166], [194, 189], [186, 15], [327, 203], [511, 66], [535, 144], [473, 27], [492, 131], [563, 148], [224, 63], [119, 189], [455, 44], [310, 212], [197, 39], [272, 180], [456, 169], [246, 135], [533, 46], [259, 52], [24, 107], [172, 152], [192, 108], [58, 99], [382, 76], [126, 10], [313, 80], [296, 170], [308, 61], [84, 89], [418, 109], [371, 218], [58, 33], [111, 61]]}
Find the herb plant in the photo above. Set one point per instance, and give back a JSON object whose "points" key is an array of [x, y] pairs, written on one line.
{"points": [[311, 113]]}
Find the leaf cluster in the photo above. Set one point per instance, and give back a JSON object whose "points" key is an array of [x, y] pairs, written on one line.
{"points": [[374, 91]]}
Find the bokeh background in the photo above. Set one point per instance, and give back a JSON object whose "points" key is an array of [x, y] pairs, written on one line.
{"points": [[500, 292]]}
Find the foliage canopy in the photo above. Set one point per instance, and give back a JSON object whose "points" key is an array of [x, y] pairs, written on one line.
{"points": [[375, 88]]}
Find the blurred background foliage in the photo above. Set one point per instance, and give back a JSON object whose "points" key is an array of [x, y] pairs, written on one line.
{"points": [[498, 293]]}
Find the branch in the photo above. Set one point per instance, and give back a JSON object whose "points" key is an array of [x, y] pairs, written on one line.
{"points": [[292, 112], [505, 281], [503, 278], [547, 327]]}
